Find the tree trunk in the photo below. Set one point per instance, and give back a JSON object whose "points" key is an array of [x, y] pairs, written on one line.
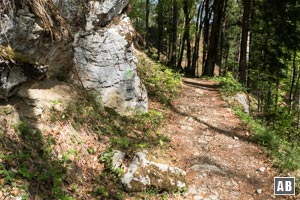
{"points": [[160, 28], [147, 23], [198, 36], [186, 10], [179, 66], [244, 44], [222, 39], [174, 34], [297, 86], [214, 38], [206, 32], [293, 78]]}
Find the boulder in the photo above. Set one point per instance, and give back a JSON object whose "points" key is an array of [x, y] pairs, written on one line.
{"points": [[143, 174], [99, 53], [242, 100], [105, 59]]}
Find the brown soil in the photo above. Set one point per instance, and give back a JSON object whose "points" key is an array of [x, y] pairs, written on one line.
{"points": [[214, 147]]}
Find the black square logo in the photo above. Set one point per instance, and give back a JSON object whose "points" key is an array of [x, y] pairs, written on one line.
{"points": [[284, 186]]}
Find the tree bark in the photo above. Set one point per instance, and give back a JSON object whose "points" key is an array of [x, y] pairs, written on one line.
{"points": [[293, 78], [206, 32], [160, 28], [198, 35], [174, 34], [179, 66], [147, 23], [186, 10], [214, 38], [244, 43]]}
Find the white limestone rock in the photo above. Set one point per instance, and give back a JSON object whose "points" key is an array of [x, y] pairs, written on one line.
{"points": [[242, 100], [106, 63], [144, 174]]}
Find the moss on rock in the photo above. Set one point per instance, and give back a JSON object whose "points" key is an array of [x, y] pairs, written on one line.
{"points": [[7, 53]]}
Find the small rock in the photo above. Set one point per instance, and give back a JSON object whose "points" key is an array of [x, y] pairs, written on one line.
{"points": [[192, 190], [229, 146], [198, 197], [259, 191], [197, 154], [242, 100], [188, 128], [208, 138], [235, 193], [213, 197], [248, 176], [117, 159], [206, 168], [262, 169], [236, 138], [234, 183], [202, 141], [190, 119]]}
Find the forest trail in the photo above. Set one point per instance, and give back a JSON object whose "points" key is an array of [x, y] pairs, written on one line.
{"points": [[214, 147]]}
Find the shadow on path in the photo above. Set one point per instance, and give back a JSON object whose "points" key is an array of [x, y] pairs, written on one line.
{"points": [[216, 129], [206, 163], [214, 87]]}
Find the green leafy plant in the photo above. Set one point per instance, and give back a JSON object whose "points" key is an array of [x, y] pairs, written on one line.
{"points": [[33, 157], [162, 83], [229, 85], [286, 156]]}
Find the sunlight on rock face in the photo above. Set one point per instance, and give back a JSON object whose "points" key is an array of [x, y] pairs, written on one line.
{"points": [[107, 64]]}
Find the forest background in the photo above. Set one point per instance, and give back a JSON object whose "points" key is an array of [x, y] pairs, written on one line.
{"points": [[253, 41]]}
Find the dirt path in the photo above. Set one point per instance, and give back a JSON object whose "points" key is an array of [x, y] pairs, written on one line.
{"points": [[213, 146]]}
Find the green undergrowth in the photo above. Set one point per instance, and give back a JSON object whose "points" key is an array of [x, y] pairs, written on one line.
{"points": [[229, 86], [129, 134], [285, 154], [163, 84], [133, 132], [28, 164]]}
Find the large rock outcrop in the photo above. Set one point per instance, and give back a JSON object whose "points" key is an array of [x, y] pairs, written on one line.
{"points": [[99, 50], [105, 59]]}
